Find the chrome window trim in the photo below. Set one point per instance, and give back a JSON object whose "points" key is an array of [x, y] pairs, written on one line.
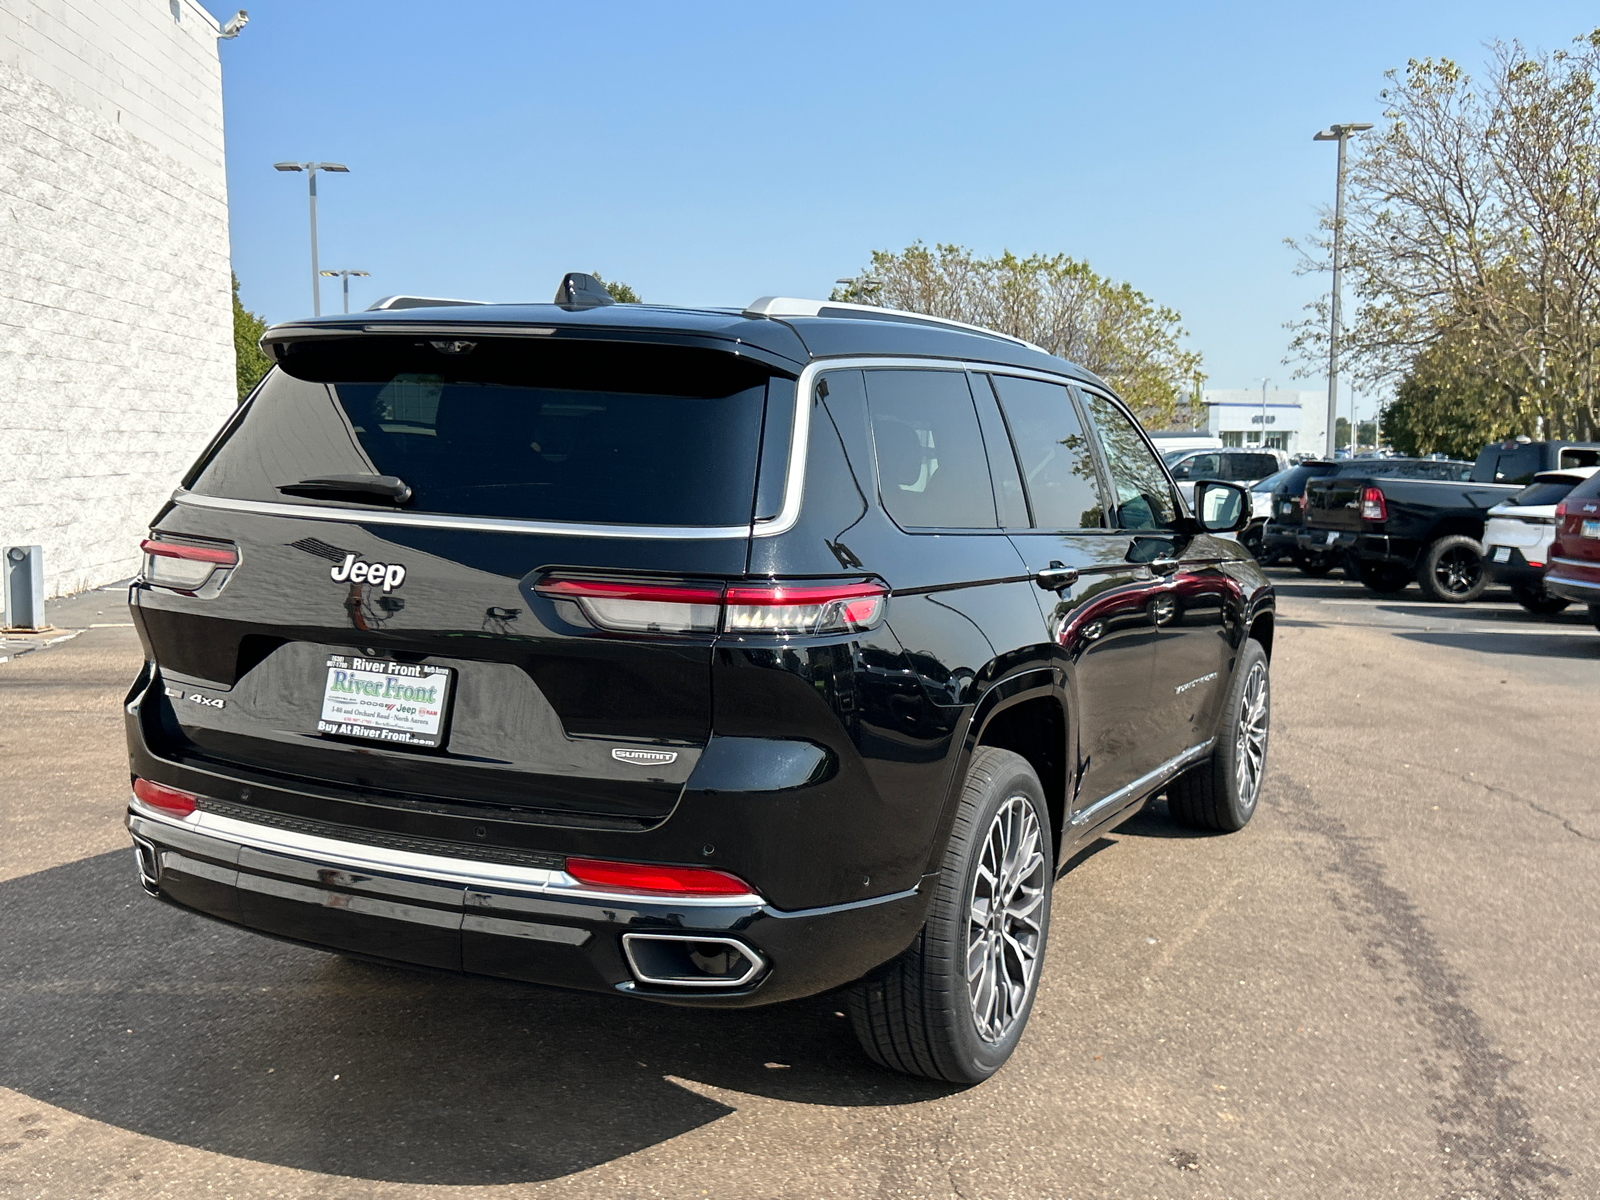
{"points": [[788, 513], [438, 868]]}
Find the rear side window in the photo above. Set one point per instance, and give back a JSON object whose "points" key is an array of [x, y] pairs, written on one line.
{"points": [[1057, 466], [1144, 494], [931, 468], [1574, 456], [1245, 467], [592, 433], [1295, 481]]}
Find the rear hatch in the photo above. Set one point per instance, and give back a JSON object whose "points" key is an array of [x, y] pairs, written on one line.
{"points": [[389, 527]]}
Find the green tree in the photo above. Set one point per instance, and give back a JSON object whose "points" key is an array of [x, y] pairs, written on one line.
{"points": [[620, 292], [1054, 301], [1472, 237], [250, 361]]}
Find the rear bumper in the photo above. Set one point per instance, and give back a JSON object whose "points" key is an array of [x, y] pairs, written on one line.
{"points": [[1572, 579], [512, 921], [1373, 547], [1514, 570], [1280, 539]]}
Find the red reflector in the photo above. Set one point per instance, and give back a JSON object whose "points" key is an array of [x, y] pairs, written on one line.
{"points": [[167, 799], [649, 877], [223, 556]]}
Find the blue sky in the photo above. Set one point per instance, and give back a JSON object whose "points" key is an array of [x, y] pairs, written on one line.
{"points": [[709, 154]]}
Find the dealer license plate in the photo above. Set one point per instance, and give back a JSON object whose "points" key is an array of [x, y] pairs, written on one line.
{"points": [[400, 703], [1333, 536], [1286, 508], [1502, 554], [1591, 529]]}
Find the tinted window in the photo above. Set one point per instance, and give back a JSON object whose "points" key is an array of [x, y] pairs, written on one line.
{"points": [[931, 468], [1542, 493], [1573, 456], [1432, 469], [1518, 466], [1589, 489], [606, 434], [1056, 461], [1293, 483], [1144, 495], [1008, 494], [1244, 467]]}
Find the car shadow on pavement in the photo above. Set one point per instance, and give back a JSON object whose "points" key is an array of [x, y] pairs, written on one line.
{"points": [[139, 1015], [1154, 821], [1535, 645]]}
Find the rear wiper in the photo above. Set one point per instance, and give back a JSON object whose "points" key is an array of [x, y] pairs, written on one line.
{"points": [[364, 488]]}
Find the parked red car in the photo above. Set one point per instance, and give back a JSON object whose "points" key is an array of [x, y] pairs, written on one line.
{"points": [[1575, 554]]}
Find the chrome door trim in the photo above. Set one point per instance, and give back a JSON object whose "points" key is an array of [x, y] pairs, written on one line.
{"points": [[1148, 781], [439, 868]]}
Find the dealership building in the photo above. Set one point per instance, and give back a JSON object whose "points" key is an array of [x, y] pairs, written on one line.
{"points": [[116, 333], [1295, 422]]}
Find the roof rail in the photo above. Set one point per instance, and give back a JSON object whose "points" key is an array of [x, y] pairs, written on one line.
{"points": [[789, 306], [389, 303]]}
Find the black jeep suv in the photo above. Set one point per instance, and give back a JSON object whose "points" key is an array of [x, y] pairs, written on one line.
{"points": [[702, 656]]}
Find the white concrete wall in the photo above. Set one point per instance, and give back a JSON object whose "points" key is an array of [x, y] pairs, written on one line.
{"points": [[116, 327]]}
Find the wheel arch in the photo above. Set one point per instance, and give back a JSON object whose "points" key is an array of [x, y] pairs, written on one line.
{"points": [[1034, 725]]}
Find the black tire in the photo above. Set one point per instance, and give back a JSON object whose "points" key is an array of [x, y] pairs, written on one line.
{"points": [[1594, 614], [1221, 793], [1451, 570], [1384, 578], [916, 1014], [1534, 598], [1314, 565]]}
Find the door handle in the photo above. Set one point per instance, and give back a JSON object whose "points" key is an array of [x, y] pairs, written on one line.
{"points": [[1056, 577], [1162, 566]]}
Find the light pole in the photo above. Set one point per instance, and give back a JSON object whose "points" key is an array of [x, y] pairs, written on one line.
{"points": [[1264, 383], [1341, 134], [344, 277], [311, 169]]}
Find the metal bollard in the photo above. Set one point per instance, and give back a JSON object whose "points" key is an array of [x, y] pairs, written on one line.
{"points": [[22, 587]]}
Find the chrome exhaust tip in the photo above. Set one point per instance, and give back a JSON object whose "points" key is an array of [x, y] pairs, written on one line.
{"points": [[680, 960], [149, 861]]}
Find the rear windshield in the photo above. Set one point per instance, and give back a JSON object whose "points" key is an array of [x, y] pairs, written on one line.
{"points": [[588, 432], [1542, 493], [1294, 481]]}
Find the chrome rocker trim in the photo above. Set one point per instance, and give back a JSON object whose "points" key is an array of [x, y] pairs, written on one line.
{"points": [[1147, 782]]}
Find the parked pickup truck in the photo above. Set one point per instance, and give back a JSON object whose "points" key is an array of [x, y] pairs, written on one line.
{"points": [[1427, 524]]}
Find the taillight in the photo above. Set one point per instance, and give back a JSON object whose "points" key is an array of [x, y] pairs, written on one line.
{"points": [[1373, 505], [640, 607], [763, 608], [804, 608], [185, 566], [1561, 511], [1305, 500], [655, 879], [168, 799]]}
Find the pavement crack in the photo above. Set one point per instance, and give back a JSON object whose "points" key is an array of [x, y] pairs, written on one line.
{"points": [[1486, 1138], [1566, 822]]}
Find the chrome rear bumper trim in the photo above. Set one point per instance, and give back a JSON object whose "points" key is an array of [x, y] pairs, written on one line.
{"points": [[439, 868]]}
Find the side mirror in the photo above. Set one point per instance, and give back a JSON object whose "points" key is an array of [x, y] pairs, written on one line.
{"points": [[1221, 507]]}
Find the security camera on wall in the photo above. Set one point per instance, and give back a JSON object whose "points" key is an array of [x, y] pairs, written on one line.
{"points": [[238, 21]]}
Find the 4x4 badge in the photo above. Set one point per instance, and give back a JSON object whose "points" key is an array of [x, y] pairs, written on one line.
{"points": [[385, 575], [645, 758]]}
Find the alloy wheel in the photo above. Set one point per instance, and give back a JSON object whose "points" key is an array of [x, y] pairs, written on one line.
{"points": [[1458, 570], [1003, 923], [1250, 746]]}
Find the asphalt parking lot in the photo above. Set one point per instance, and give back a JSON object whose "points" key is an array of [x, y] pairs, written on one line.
{"points": [[1385, 986]]}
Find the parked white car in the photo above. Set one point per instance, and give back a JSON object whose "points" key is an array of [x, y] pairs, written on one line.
{"points": [[1228, 465], [1517, 537]]}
